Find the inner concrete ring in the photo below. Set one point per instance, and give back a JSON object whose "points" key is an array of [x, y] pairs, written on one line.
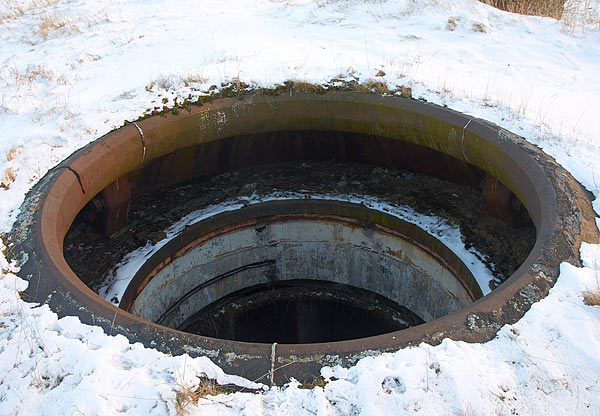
{"points": [[559, 208], [290, 240]]}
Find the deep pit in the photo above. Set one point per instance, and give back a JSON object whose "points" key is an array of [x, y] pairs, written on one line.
{"points": [[276, 217], [324, 251], [299, 312]]}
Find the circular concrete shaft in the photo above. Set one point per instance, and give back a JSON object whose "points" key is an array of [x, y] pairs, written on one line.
{"points": [[137, 152], [290, 240]]}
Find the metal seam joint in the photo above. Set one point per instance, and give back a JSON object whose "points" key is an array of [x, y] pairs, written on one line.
{"points": [[77, 176], [462, 140], [143, 142]]}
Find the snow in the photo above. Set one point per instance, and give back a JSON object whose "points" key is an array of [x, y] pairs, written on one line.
{"points": [[71, 71]]}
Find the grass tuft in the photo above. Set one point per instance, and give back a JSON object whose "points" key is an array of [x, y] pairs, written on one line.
{"points": [[13, 152], [164, 82], [591, 297], [51, 25], [13, 9], [549, 8], [191, 79], [378, 87], [186, 395], [8, 177], [479, 27], [313, 381], [35, 73], [451, 25], [580, 14]]}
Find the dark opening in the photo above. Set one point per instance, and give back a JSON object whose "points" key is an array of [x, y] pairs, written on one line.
{"points": [[395, 171], [300, 311], [309, 162]]}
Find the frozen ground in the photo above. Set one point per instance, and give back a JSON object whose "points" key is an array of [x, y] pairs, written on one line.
{"points": [[71, 71]]}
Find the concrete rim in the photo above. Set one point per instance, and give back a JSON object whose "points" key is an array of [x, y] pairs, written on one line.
{"points": [[557, 205]]}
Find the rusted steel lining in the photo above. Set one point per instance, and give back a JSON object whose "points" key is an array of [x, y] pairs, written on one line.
{"points": [[501, 202], [286, 210], [557, 205]]}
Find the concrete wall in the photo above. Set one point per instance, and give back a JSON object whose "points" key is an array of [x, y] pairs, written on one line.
{"points": [[302, 249]]}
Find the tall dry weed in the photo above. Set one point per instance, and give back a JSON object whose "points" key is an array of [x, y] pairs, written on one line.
{"points": [[52, 23], [10, 9], [592, 297], [186, 395], [580, 14], [550, 8]]}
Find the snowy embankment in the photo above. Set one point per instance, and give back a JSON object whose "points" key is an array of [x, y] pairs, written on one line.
{"points": [[72, 71]]}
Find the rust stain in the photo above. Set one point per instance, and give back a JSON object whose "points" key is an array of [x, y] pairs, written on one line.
{"points": [[394, 253]]}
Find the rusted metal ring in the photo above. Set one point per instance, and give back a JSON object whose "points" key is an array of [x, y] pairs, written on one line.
{"points": [[557, 205]]}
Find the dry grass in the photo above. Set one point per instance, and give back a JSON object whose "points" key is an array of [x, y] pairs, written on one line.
{"points": [[8, 177], [10, 9], [190, 79], [580, 14], [550, 8], [171, 82], [186, 395], [451, 25], [479, 27], [313, 381], [376, 86], [62, 109], [127, 95], [52, 23], [13, 152], [573, 13], [35, 73], [164, 82], [303, 86], [31, 73], [592, 297]]}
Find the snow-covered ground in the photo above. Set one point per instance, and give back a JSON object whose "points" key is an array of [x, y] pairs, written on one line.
{"points": [[71, 71]]}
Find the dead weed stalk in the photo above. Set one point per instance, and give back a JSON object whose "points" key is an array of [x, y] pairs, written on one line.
{"points": [[579, 14], [574, 14], [186, 395], [12, 9], [592, 297], [550, 8], [52, 23]]}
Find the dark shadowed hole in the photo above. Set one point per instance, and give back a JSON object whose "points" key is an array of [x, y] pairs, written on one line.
{"points": [[392, 171], [300, 311]]}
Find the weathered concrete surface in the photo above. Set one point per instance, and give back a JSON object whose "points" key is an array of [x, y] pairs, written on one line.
{"points": [[296, 248]]}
